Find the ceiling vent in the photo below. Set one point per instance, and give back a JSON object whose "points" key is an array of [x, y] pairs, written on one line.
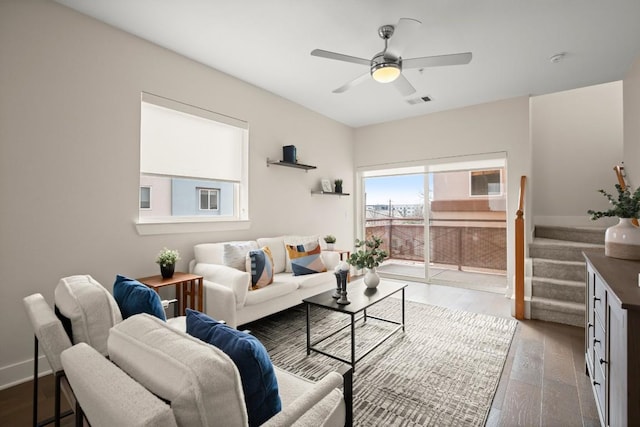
{"points": [[416, 101]]}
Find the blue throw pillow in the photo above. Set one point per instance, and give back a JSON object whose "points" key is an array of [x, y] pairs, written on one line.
{"points": [[134, 298], [259, 382]]}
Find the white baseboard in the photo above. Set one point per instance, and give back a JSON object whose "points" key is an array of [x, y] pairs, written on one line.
{"points": [[21, 372]]}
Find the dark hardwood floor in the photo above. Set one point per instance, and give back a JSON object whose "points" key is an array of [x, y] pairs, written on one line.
{"points": [[543, 382]]}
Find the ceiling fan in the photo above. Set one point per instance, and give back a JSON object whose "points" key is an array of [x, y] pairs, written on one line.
{"points": [[387, 66]]}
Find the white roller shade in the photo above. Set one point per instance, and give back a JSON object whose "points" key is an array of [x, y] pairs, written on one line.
{"points": [[180, 140]]}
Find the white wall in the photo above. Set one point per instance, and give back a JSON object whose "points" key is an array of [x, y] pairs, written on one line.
{"points": [[631, 88], [576, 140], [501, 126], [69, 158]]}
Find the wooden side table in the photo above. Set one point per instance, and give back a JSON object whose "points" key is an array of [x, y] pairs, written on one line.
{"points": [[188, 289]]}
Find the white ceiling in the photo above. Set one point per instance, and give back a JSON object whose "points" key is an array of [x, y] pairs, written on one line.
{"points": [[267, 43]]}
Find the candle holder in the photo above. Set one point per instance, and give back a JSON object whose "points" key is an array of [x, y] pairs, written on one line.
{"points": [[336, 293], [343, 288]]}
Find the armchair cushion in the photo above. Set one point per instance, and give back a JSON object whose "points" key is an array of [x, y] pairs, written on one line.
{"points": [[201, 382], [134, 298], [259, 382], [90, 308]]}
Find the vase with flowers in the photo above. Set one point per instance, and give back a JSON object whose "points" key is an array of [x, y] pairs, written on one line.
{"points": [[623, 239], [368, 255]]}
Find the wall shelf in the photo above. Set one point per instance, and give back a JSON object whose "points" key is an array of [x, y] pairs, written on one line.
{"points": [[329, 193], [289, 164]]}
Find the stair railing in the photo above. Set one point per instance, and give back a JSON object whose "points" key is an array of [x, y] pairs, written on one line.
{"points": [[519, 285]]}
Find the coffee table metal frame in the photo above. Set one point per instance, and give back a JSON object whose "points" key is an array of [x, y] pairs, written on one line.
{"points": [[361, 299]]}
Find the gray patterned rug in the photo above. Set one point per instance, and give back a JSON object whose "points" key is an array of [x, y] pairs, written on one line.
{"points": [[443, 371]]}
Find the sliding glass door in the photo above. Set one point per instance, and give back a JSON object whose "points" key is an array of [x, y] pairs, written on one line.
{"points": [[458, 208]]}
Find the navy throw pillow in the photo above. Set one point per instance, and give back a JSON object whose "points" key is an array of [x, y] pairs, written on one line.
{"points": [[134, 298], [259, 382]]}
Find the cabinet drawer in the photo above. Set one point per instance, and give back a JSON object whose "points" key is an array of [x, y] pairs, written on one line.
{"points": [[600, 298]]}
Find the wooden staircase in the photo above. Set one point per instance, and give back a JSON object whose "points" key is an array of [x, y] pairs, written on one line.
{"points": [[558, 278]]}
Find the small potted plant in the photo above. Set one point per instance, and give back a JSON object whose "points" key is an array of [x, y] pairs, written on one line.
{"points": [[167, 259], [338, 183], [330, 240], [368, 255], [623, 239]]}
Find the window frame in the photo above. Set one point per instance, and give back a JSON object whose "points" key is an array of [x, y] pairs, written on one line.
{"points": [[149, 187], [199, 223], [209, 191]]}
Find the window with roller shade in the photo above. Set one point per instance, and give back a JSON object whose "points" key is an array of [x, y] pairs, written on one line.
{"points": [[184, 150]]}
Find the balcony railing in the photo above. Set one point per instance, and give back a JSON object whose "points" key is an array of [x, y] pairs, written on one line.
{"points": [[462, 243]]}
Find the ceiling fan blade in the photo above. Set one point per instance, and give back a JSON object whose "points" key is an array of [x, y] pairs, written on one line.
{"points": [[352, 83], [340, 57], [404, 33], [403, 85], [438, 60]]}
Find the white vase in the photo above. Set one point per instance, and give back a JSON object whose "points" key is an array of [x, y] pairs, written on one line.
{"points": [[371, 278], [622, 240]]}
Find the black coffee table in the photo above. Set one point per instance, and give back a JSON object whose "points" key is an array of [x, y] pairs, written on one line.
{"points": [[361, 299]]}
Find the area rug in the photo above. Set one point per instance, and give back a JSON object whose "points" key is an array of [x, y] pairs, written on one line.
{"points": [[442, 371]]}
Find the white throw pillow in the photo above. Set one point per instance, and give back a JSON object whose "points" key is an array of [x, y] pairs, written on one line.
{"points": [[235, 253], [276, 245]]}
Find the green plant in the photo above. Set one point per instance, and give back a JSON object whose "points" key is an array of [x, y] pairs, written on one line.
{"points": [[338, 182], [167, 257], [368, 253], [627, 205], [330, 238]]}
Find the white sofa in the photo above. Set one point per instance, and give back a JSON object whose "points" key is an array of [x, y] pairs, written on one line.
{"points": [[227, 294]]}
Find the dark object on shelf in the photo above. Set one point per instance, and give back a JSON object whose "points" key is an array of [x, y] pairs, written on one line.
{"points": [[289, 154], [338, 183]]}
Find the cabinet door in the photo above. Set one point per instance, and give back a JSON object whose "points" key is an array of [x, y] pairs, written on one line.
{"points": [[589, 317], [616, 362]]}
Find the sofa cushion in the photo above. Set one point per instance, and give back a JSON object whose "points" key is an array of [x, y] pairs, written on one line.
{"points": [[259, 263], [134, 298], [276, 244], [234, 253], [305, 261], [306, 281], [90, 308], [274, 290], [201, 381], [309, 243], [259, 381]]}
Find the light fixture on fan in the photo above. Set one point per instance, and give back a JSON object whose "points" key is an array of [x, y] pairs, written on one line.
{"points": [[384, 70]]}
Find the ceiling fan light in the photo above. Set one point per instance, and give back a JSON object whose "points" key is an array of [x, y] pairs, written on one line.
{"points": [[385, 72]]}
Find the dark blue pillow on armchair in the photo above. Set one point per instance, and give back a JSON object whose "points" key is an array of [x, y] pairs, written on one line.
{"points": [[134, 298], [259, 382]]}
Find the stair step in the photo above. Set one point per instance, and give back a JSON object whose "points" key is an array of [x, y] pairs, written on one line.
{"points": [[560, 290], [561, 250], [573, 234], [568, 313], [562, 270]]}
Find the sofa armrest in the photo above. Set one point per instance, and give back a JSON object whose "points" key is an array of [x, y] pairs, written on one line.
{"points": [[236, 280], [309, 407], [107, 395], [331, 259], [220, 302]]}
